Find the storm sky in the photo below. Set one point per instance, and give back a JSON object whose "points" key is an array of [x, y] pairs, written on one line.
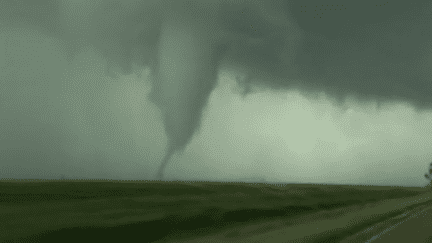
{"points": [[339, 102]]}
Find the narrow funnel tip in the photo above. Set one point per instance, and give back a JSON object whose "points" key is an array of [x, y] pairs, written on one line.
{"points": [[171, 149]]}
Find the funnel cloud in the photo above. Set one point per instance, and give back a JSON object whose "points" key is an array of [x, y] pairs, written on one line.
{"points": [[374, 54]]}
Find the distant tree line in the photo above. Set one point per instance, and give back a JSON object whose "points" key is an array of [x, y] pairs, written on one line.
{"points": [[429, 176]]}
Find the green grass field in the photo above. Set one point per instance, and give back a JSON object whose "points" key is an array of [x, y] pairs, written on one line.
{"points": [[155, 211]]}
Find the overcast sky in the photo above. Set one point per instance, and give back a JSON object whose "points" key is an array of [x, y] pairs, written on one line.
{"points": [[60, 117]]}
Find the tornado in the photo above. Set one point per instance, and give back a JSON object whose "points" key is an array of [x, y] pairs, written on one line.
{"points": [[188, 55], [194, 41]]}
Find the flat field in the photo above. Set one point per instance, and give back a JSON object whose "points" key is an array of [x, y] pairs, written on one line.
{"points": [[155, 211]]}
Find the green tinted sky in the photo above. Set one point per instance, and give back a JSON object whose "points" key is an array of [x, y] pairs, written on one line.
{"points": [[70, 118]]}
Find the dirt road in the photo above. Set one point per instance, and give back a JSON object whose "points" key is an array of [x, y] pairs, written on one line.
{"points": [[415, 228]]}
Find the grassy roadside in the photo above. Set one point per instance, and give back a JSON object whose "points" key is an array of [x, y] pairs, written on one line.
{"points": [[343, 225], [162, 211], [346, 224]]}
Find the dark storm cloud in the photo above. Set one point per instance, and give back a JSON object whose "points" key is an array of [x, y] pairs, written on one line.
{"points": [[372, 54]]}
